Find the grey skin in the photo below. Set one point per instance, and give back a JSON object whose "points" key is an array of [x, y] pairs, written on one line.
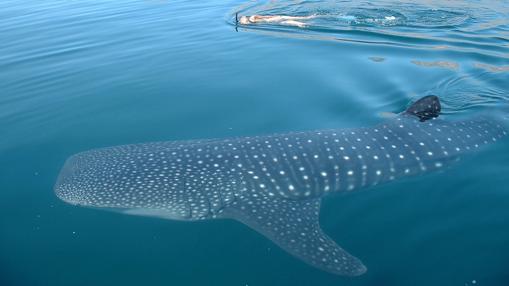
{"points": [[273, 184]]}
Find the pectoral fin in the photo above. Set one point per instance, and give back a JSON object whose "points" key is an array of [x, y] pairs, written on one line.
{"points": [[294, 226]]}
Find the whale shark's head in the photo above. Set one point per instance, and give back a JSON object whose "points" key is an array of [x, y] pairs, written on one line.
{"points": [[148, 180]]}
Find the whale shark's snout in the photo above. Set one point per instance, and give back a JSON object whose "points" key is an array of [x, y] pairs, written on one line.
{"points": [[68, 188]]}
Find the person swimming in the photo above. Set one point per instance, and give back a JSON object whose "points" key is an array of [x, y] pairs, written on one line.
{"points": [[278, 19], [298, 21]]}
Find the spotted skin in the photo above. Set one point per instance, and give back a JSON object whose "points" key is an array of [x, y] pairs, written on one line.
{"points": [[273, 183]]}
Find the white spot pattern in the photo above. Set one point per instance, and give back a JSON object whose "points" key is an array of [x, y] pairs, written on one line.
{"points": [[272, 183]]}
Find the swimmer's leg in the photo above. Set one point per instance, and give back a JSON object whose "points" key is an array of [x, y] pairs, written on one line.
{"points": [[294, 23], [298, 17]]}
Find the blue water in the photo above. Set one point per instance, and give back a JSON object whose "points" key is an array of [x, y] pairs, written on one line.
{"points": [[78, 75]]}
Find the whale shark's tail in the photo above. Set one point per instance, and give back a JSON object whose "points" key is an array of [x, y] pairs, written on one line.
{"points": [[425, 108]]}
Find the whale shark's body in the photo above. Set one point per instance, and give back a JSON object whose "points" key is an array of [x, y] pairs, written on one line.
{"points": [[273, 183]]}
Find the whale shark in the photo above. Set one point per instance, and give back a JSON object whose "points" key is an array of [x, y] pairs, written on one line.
{"points": [[274, 183]]}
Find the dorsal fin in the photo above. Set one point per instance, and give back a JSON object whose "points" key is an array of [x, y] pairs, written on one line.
{"points": [[425, 108], [293, 225]]}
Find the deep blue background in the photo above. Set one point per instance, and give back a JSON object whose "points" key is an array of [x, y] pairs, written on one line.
{"points": [[77, 75]]}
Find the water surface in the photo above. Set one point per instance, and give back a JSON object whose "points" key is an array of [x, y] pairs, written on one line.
{"points": [[78, 75]]}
